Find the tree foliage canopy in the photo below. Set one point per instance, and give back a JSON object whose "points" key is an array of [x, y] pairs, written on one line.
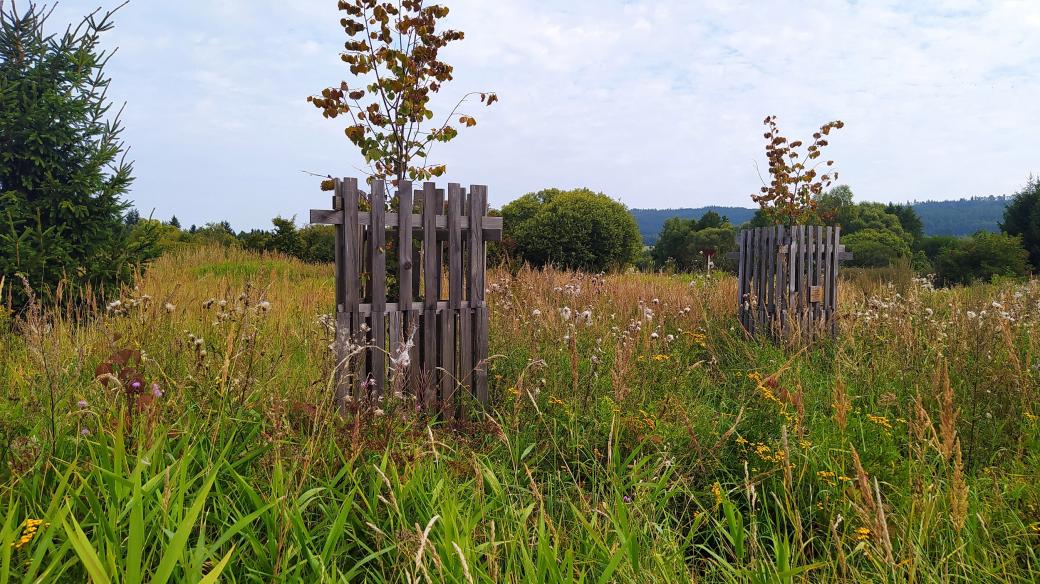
{"points": [[577, 229], [685, 242], [981, 257], [1022, 218], [393, 53]]}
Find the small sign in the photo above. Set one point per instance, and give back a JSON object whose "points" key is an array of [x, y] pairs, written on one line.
{"points": [[816, 294]]}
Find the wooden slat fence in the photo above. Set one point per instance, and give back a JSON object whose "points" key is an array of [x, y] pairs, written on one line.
{"points": [[788, 280], [432, 307]]}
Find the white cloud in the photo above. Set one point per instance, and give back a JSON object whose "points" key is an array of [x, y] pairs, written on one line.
{"points": [[658, 102]]}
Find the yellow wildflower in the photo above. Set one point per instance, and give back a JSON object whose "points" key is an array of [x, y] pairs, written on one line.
{"points": [[862, 533], [880, 421], [716, 489]]}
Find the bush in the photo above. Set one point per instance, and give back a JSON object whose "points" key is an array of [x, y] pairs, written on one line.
{"points": [[875, 248], [982, 257], [683, 243], [578, 229]]}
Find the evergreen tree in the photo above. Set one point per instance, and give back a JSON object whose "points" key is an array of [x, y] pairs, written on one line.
{"points": [[63, 172], [174, 222]]}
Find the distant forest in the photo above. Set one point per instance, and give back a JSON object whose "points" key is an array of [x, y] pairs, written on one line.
{"points": [[960, 218]]}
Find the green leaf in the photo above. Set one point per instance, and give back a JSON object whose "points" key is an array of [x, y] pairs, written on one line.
{"points": [[87, 556]]}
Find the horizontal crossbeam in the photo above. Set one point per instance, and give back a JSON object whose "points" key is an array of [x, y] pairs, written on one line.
{"points": [[492, 225]]}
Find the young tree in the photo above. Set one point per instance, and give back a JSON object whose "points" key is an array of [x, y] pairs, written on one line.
{"points": [[393, 53], [790, 196], [63, 172]]}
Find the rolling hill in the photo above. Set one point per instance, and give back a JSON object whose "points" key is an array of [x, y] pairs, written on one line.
{"points": [[960, 217]]}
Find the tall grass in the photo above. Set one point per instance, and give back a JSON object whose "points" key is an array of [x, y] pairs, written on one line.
{"points": [[636, 435]]}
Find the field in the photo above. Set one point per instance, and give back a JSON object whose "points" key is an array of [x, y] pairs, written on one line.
{"points": [[636, 436]]}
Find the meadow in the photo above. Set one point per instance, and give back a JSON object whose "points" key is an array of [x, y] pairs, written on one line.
{"points": [[186, 433]]}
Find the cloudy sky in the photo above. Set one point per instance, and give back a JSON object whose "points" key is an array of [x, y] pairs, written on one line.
{"points": [[658, 103]]}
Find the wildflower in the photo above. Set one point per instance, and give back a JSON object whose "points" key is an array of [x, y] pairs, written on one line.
{"points": [[536, 313], [84, 431], [82, 404], [169, 307], [114, 305], [654, 336], [135, 386], [379, 412], [716, 489], [862, 533], [28, 532], [880, 421], [156, 390], [208, 303], [626, 499], [566, 313], [264, 306]]}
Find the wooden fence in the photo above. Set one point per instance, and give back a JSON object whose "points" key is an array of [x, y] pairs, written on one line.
{"points": [[788, 280], [422, 331]]}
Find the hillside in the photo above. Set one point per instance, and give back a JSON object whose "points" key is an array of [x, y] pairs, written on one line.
{"points": [[960, 217]]}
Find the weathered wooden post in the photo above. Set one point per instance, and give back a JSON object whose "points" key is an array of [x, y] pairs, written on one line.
{"points": [[446, 338]]}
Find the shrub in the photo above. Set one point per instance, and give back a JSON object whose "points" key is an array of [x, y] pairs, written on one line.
{"points": [[577, 229], [684, 242], [982, 257], [875, 248]]}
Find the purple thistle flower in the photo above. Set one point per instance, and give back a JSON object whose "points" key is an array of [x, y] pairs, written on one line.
{"points": [[627, 499], [156, 390], [135, 385], [84, 431], [82, 404]]}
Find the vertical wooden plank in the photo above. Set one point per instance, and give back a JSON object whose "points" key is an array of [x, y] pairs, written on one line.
{"points": [[770, 259], [454, 246], [762, 258], [404, 246], [480, 355], [752, 278], [804, 274], [406, 266], [778, 279], [834, 280], [447, 364], [442, 247], [478, 264], [810, 266], [783, 297], [393, 345], [348, 190], [775, 293], [417, 255], [465, 360], [477, 208], [816, 273], [337, 205], [792, 280], [377, 252], [431, 293], [741, 285]]}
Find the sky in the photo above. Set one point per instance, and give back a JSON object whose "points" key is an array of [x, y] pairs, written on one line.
{"points": [[658, 103]]}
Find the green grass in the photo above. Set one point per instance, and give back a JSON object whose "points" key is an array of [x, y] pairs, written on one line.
{"points": [[610, 453]]}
